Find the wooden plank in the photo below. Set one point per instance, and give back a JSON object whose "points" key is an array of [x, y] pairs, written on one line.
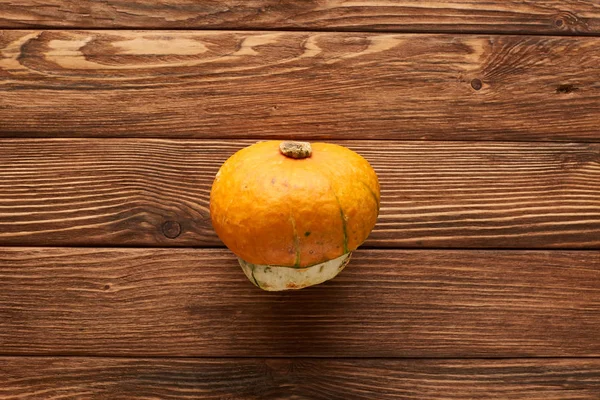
{"points": [[143, 192], [122, 378], [387, 303], [499, 16], [302, 84]]}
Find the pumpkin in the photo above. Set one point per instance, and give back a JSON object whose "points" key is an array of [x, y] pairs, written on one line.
{"points": [[292, 212]]}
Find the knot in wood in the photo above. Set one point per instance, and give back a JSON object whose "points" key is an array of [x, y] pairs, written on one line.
{"points": [[171, 229]]}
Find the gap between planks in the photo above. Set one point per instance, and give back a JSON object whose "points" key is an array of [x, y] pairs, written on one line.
{"points": [[362, 247], [315, 31], [66, 355], [35, 136]]}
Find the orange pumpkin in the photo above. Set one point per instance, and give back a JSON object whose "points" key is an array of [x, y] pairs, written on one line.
{"points": [[292, 212]]}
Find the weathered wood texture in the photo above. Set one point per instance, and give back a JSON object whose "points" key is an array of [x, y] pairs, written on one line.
{"points": [[390, 303], [146, 192], [300, 84], [500, 16], [299, 379]]}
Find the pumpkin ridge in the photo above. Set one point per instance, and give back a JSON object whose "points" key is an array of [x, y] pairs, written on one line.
{"points": [[372, 193], [296, 241], [343, 216], [343, 219]]}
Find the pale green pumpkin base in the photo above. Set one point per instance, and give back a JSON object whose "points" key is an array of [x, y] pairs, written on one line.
{"points": [[276, 278]]}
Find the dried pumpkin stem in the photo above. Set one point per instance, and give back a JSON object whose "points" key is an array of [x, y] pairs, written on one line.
{"points": [[297, 150]]}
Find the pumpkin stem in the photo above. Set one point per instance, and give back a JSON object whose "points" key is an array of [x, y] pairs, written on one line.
{"points": [[297, 150]]}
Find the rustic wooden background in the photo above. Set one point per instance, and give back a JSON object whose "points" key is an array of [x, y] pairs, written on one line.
{"points": [[481, 279]]}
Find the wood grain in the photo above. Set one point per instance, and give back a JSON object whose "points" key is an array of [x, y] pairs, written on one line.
{"points": [[300, 379], [499, 16], [387, 303], [301, 84], [146, 192]]}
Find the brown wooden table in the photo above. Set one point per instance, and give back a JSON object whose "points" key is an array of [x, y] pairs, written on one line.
{"points": [[481, 279]]}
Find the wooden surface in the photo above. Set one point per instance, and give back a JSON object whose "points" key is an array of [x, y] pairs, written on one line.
{"points": [[434, 194], [298, 84], [501, 16], [314, 379], [480, 281], [387, 303]]}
